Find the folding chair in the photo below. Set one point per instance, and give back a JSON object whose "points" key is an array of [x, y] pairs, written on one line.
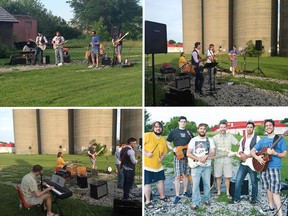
{"points": [[21, 198]]}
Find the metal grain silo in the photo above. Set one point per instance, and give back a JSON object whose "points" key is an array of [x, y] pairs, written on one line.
{"points": [[54, 130], [255, 20], [191, 23], [131, 124], [25, 131], [283, 39], [99, 124], [216, 24]]}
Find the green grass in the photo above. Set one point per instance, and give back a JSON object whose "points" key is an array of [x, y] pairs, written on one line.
{"points": [[75, 84], [14, 167], [273, 67]]}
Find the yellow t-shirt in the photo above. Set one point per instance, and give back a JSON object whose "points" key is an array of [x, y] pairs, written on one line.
{"points": [[150, 143], [60, 162], [182, 61]]}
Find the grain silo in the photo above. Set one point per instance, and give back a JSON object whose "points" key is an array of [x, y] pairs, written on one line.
{"points": [[131, 124], [255, 20], [216, 24], [25, 131], [54, 130], [192, 24], [96, 124], [283, 39]]}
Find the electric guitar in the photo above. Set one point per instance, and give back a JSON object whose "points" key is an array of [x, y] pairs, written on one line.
{"points": [[266, 157], [55, 46], [181, 152], [193, 163], [95, 154], [116, 43], [40, 45]]}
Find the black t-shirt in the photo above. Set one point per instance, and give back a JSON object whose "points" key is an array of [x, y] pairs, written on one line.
{"points": [[92, 150], [180, 137], [116, 38]]}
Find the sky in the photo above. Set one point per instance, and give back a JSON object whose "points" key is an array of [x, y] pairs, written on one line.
{"points": [[6, 125], [213, 115]]}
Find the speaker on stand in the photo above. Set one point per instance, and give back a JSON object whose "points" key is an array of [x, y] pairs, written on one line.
{"points": [[258, 47]]}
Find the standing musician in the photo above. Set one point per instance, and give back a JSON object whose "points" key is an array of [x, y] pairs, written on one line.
{"points": [[196, 61], [246, 144], [118, 44], [120, 176], [233, 59], [41, 42], [34, 196], [58, 42], [204, 147], [271, 176], [92, 156], [211, 58], [223, 166], [180, 137], [95, 47], [155, 150]]}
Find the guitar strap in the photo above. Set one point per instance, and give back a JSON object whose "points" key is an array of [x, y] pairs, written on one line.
{"points": [[208, 144], [275, 138], [252, 144], [188, 132]]}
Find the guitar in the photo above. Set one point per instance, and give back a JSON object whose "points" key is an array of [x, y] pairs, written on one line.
{"points": [[231, 57], [40, 45], [55, 46], [116, 43], [266, 157], [95, 154], [181, 152], [193, 163]]}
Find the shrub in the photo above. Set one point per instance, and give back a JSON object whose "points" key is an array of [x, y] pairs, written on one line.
{"points": [[4, 51]]}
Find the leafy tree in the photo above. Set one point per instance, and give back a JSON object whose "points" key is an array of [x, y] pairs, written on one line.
{"points": [[260, 130], [172, 42], [251, 50], [284, 121], [148, 125]]}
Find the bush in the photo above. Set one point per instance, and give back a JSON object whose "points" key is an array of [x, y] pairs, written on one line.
{"points": [[98, 147], [4, 51], [251, 50]]}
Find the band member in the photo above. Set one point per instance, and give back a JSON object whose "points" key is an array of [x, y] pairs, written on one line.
{"points": [[196, 62], [120, 176], [92, 156], [128, 163], [180, 137], [34, 196], [60, 161], [95, 46], [155, 150], [118, 44], [233, 55], [183, 63], [211, 58], [58, 42], [223, 166], [271, 176], [246, 144], [41, 42], [200, 148]]}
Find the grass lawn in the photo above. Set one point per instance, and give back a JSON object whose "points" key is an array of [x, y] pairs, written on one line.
{"points": [[75, 85], [273, 67], [14, 167]]}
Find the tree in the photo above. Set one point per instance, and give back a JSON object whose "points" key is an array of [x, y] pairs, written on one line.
{"points": [[284, 121], [147, 124], [260, 130], [172, 42], [251, 50]]}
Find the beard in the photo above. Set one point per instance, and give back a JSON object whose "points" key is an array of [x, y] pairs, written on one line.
{"points": [[202, 134], [270, 132], [157, 133]]}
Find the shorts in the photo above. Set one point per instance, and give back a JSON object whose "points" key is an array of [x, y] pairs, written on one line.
{"points": [[152, 177], [181, 166], [234, 63], [92, 160], [94, 53], [118, 50], [271, 180], [223, 168], [37, 200]]}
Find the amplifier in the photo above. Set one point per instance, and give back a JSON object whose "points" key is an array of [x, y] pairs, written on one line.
{"points": [[179, 98], [244, 187], [182, 82], [127, 207], [46, 59], [98, 189], [17, 60], [82, 181], [66, 58], [106, 61]]}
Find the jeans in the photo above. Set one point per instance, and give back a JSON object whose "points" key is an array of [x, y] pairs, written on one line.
{"points": [[37, 51], [199, 80], [242, 172], [197, 173], [128, 182], [59, 56], [120, 177]]}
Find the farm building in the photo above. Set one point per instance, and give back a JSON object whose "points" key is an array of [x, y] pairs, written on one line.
{"points": [[6, 26], [26, 28]]}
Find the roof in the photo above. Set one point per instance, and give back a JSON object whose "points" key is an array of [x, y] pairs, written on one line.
{"points": [[6, 17]]}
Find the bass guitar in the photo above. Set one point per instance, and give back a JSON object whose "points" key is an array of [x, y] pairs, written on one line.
{"points": [[55, 45], [116, 43], [266, 157], [42, 46], [181, 152]]}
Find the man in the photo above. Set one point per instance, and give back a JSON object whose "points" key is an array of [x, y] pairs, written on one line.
{"points": [[155, 150], [246, 144], [120, 177], [223, 166], [196, 62], [210, 59], [92, 156], [118, 45], [95, 46], [128, 163], [41, 42], [233, 59], [271, 176], [58, 42], [200, 149], [180, 137], [31, 193]]}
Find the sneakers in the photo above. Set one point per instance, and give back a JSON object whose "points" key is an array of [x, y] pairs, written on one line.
{"points": [[60, 64], [186, 194], [177, 199], [91, 66], [253, 201], [234, 202], [269, 210]]}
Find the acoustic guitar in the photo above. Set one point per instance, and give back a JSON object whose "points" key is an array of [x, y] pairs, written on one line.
{"points": [[55, 46], [266, 157], [40, 45]]}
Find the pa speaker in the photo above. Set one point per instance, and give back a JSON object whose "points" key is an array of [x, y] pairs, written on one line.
{"points": [[127, 207], [244, 187], [155, 38], [82, 181], [115, 30], [98, 189], [258, 45]]}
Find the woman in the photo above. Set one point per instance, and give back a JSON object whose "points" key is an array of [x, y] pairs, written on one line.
{"points": [[60, 162]]}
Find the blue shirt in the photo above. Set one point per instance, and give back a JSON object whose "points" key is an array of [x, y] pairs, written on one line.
{"points": [[276, 162], [95, 40]]}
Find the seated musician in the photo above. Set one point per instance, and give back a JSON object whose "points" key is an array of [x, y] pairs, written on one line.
{"points": [[31, 193], [60, 163], [183, 63]]}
